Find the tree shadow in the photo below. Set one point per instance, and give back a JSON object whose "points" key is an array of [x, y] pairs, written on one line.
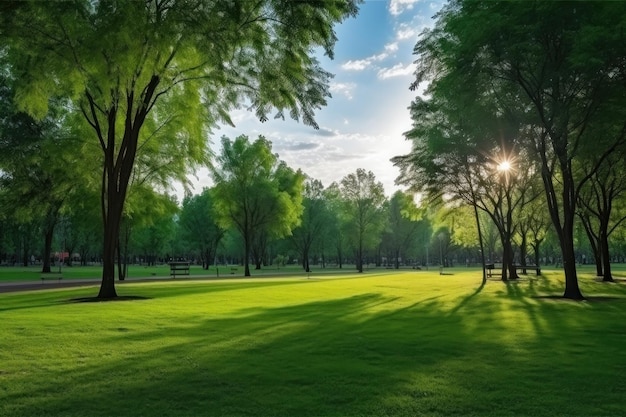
{"points": [[367, 354]]}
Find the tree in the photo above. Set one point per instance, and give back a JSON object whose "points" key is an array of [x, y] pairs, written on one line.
{"points": [[255, 192], [120, 61], [199, 227], [36, 162], [363, 198], [315, 218], [337, 222], [148, 225], [561, 60], [464, 151], [153, 229], [403, 224]]}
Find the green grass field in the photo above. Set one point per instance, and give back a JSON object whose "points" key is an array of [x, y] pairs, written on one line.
{"points": [[33, 273], [379, 344]]}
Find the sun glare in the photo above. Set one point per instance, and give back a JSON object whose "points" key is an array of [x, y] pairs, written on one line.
{"points": [[504, 166]]}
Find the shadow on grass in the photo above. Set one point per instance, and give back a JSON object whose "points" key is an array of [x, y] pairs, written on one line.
{"points": [[106, 300], [349, 356], [367, 354]]}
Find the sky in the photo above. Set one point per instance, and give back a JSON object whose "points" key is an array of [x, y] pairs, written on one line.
{"points": [[363, 123]]}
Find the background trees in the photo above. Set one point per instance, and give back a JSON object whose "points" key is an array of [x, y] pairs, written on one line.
{"points": [[120, 62], [316, 219], [199, 229], [551, 70], [363, 200], [256, 193]]}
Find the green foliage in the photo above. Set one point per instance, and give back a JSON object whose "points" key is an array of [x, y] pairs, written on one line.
{"points": [[363, 199], [404, 222], [255, 192], [198, 225], [315, 221], [151, 78]]}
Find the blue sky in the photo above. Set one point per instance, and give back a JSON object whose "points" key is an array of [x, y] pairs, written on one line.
{"points": [[362, 126]]}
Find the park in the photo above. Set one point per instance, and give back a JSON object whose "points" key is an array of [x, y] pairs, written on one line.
{"points": [[398, 343], [198, 215]]}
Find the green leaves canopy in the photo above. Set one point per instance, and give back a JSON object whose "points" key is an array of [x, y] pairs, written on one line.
{"points": [[255, 191]]}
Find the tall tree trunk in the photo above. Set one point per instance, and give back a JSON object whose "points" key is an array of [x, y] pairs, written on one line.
{"points": [[564, 225], [119, 159], [572, 290]]}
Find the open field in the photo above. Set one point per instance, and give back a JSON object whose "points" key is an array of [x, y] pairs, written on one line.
{"points": [[383, 343]]}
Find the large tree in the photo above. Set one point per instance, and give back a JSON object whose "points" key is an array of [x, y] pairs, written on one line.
{"points": [[255, 192], [556, 63], [120, 60]]}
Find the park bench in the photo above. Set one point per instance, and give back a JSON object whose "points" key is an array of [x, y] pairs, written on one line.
{"points": [[493, 269], [51, 275], [535, 267], [233, 270], [179, 268]]}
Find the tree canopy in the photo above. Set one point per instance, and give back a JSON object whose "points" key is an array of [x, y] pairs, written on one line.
{"points": [[256, 193], [123, 63]]}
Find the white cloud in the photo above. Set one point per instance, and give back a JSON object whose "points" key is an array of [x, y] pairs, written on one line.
{"points": [[361, 64], [405, 32], [391, 47], [344, 89], [397, 70], [397, 7], [358, 65]]}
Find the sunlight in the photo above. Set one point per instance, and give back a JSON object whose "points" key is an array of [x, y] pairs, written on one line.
{"points": [[504, 166]]}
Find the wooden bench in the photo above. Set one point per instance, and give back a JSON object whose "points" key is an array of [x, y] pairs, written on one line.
{"points": [[179, 268], [51, 275], [493, 267], [535, 267]]}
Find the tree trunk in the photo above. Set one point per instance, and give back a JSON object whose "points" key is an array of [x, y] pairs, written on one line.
{"points": [[572, 290], [594, 242], [47, 250], [606, 257], [359, 257], [111, 233], [536, 249], [481, 244], [246, 257], [339, 258], [523, 252], [305, 257], [119, 159]]}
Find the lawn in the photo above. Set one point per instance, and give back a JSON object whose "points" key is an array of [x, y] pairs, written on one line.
{"points": [[33, 273], [382, 343]]}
